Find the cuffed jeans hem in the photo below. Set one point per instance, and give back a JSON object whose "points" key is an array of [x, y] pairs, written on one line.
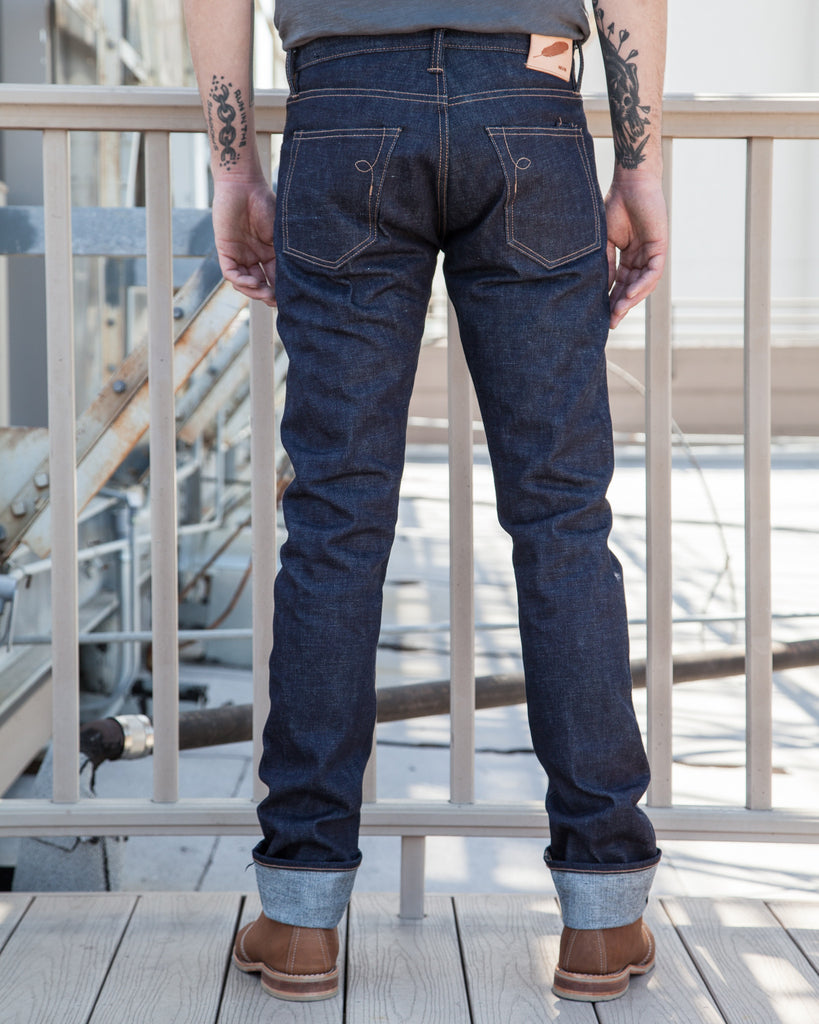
{"points": [[604, 897], [305, 897]]}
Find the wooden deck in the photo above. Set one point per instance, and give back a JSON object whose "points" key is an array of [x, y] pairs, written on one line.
{"points": [[163, 958]]}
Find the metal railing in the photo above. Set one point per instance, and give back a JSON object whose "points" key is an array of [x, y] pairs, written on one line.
{"points": [[57, 111]]}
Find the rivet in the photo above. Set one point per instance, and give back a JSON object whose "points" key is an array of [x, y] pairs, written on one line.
{"points": [[119, 386], [41, 480]]}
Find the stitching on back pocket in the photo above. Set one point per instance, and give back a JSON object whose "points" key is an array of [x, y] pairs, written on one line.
{"points": [[333, 191], [551, 208]]}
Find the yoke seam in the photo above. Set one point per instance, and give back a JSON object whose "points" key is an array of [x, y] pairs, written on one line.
{"points": [[358, 53], [477, 46], [405, 97], [429, 98]]}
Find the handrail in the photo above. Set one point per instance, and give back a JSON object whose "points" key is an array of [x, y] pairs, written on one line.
{"points": [[135, 108]]}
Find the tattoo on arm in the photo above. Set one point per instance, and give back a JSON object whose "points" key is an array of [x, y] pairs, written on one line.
{"points": [[628, 115], [225, 105], [252, 97]]}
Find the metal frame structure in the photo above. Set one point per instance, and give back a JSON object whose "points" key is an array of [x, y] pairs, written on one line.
{"points": [[158, 112]]}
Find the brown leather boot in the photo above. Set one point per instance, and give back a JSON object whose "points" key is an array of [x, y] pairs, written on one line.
{"points": [[596, 965], [295, 963]]}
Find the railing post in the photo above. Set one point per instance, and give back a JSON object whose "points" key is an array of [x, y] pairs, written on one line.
{"points": [[5, 411], [164, 581], [461, 614], [369, 788], [659, 670], [62, 422], [263, 502], [758, 658], [413, 852], [461, 573]]}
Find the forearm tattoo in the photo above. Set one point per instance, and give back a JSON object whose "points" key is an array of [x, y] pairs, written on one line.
{"points": [[227, 121], [628, 115]]}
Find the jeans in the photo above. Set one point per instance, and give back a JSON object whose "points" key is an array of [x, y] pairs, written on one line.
{"points": [[397, 147]]}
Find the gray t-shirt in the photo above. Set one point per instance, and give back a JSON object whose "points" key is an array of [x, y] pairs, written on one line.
{"points": [[299, 21]]}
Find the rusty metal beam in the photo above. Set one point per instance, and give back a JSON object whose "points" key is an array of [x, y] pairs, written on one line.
{"points": [[118, 418]]}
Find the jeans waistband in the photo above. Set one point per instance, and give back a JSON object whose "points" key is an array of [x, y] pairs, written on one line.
{"points": [[329, 47], [432, 41]]}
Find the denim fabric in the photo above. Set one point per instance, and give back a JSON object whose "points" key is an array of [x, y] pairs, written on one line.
{"points": [[397, 147], [601, 896], [304, 896]]}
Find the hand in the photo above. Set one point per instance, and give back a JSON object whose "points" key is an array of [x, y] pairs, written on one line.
{"points": [[637, 225], [243, 216]]}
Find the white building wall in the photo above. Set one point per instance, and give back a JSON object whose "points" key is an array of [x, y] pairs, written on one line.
{"points": [[750, 48]]}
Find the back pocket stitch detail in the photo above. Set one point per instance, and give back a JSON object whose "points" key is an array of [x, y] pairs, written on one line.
{"points": [[536, 209], [331, 199]]}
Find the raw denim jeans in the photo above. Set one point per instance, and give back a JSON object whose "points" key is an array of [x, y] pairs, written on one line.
{"points": [[397, 147]]}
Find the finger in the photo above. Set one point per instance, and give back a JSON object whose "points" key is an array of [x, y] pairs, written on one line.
{"points": [[263, 294], [611, 255], [244, 274], [631, 292], [252, 285]]}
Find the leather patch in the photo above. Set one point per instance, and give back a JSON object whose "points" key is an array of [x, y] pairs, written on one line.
{"points": [[551, 54]]}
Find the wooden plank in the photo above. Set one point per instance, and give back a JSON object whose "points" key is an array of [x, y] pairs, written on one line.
{"points": [[802, 923], [12, 908], [172, 960], [245, 1000], [673, 993], [510, 946], [52, 967], [401, 970], [755, 972]]}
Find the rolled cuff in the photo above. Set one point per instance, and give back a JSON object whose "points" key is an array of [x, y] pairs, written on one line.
{"points": [[603, 896], [305, 897]]}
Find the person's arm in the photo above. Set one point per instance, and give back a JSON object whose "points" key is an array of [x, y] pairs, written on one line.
{"points": [[632, 36], [220, 33]]}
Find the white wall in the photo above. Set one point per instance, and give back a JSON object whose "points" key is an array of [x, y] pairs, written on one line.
{"points": [[715, 46]]}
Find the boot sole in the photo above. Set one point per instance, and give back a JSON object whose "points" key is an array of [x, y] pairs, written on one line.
{"points": [[598, 988], [295, 987], [301, 988]]}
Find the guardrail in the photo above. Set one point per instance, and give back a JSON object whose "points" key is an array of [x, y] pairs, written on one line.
{"points": [[58, 111]]}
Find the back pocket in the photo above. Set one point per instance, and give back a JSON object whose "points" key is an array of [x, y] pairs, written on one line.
{"points": [[332, 192], [552, 200]]}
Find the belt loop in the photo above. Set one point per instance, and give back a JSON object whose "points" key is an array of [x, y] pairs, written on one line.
{"points": [[290, 71], [577, 78], [437, 50]]}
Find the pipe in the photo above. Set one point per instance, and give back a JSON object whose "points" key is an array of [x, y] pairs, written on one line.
{"points": [[125, 737], [234, 723]]}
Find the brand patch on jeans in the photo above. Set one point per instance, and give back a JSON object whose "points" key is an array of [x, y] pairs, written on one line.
{"points": [[551, 54]]}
